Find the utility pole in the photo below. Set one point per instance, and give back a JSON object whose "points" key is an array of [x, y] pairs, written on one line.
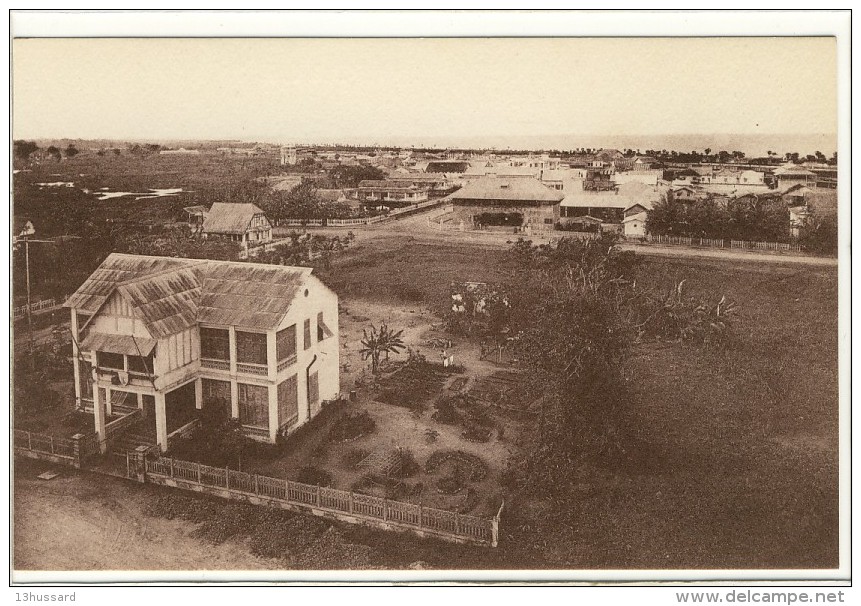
{"points": [[29, 311], [25, 236]]}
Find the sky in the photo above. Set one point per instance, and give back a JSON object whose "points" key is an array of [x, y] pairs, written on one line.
{"points": [[391, 90]]}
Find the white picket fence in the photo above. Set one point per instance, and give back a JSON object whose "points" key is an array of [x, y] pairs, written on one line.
{"points": [[719, 243], [21, 311], [360, 221]]}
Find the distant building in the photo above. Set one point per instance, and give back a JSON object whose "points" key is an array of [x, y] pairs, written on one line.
{"points": [[179, 152], [243, 223], [826, 177], [644, 162], [609, 207], [646, 177], [797, 195], [520, 202], [599, 178], [635, 225], [445, 166], [687, 194], [392, 193], [196, 217], [290, 155], [790, 174]]}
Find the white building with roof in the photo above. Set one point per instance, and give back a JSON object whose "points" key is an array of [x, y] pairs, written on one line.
{"points": [[527, 202], [163, 338], [245, 223]]}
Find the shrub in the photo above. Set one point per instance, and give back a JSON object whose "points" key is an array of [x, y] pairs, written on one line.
{"points": [[409, 466], [381, 486], [476, 434], [446, 412], [475, 468], [315, 476], [452, 483], [353, 457], [351, 426]]}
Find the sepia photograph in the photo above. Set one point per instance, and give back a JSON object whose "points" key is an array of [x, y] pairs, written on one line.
{"points": [[568, 302]]}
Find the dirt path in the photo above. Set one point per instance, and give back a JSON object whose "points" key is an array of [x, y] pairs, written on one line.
{"points": [[730, 255], [418, 227], [89, 522]]}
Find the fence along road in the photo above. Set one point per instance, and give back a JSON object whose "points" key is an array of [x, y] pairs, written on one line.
{"points": [[342, 505], [327, 502]]}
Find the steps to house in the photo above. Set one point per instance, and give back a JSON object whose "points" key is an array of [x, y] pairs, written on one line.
{"points": [[141, 433]]}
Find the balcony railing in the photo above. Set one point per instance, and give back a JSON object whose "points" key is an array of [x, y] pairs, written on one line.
{"points": [[215, 364], [262, 432], [286, 362], [252, 369]]}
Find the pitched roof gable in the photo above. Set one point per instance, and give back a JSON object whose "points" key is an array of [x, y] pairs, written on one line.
{"points": [[186, 292], [500, 188], [227, 218]]}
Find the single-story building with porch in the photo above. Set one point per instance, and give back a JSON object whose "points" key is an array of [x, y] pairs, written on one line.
{"points": [[520, 202], [163, 338], [244, 223]]}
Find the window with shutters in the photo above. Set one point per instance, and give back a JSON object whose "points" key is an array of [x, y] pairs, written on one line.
{"points": [[142, 365], [253, 405], [250, 347], [285, 344], [288, 402], [215, 343], [216, 395], [106, 359], [323, 331], [307, 333]]}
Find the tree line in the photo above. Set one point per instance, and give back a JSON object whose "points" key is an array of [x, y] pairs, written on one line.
{"points": [[755, 218]]}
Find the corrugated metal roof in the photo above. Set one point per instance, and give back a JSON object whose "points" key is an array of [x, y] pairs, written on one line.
{"points": [[166, 303], [115, 269], [249, 295], [627, 195], [514, 190], [224, 218], [169, 295], [119, 344], [793, 170]]}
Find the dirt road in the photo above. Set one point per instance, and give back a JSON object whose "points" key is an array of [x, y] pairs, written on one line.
{"points": [[418, 227], [90, 522]]}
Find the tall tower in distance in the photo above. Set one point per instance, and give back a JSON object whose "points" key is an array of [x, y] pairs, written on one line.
{"points": [[288, 155]]}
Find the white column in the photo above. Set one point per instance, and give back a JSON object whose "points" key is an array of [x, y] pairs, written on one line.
{"points": [[234, 399], [140, 400], [271, 355], [273, 412], [231, 331], [108, 400], [75, 356], [161, 421], [100, 415], [198, 393]]}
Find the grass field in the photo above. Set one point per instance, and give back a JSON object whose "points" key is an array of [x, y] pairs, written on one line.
{"points": [[732, 452]]}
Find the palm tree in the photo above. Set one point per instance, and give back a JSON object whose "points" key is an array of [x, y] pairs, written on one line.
{"points": [[376, 342]]}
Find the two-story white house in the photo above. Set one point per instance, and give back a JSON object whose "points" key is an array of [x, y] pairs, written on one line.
{"points": [[172, 336]]}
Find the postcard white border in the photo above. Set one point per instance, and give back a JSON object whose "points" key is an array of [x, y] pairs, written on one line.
{"points": [[467, 24]]}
